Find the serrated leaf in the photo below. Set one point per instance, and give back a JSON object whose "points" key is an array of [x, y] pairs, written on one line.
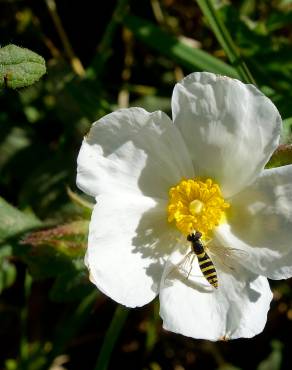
{"points": [[281, 157], [20, 67]]}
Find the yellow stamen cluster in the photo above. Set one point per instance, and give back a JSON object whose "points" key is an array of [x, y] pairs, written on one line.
{"points": [[196, 205]]}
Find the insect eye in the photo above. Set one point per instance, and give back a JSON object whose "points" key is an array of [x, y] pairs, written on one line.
{"points": [[198, 235]]}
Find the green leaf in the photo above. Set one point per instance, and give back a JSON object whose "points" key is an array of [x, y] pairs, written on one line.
{"points": [[33, 357], [14, 222], [190, 58], [152, 328], [71, 286], [286, 135], [72, 283], [71, 275], [281, 157], [72, 324], [70, 238], [80, 201], [105, 48], [58, 252], [274, 360], [227, 366], [12, 142], [224, 38], [8, 270], [11, 364], [111, 337], [20, 67], [153, 103]]}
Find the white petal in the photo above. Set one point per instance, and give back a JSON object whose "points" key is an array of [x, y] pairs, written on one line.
{"points": [[260, 223], [129, 241], [190, 306], [231, 129], [134, 151]]}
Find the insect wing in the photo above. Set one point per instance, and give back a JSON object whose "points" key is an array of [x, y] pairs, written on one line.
{"points": [[228, 256], [184, 267], [225, 252]]}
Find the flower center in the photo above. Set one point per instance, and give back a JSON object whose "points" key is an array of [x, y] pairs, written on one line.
{"points": [[196, 205]]}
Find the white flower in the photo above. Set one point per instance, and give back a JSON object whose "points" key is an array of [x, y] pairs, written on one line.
{"points": [[153, 178]]}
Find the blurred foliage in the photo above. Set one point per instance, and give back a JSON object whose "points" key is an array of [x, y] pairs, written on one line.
{"points": [[101, 56], [274, 360]]}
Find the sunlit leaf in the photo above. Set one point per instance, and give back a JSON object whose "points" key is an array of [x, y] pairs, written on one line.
{"points": [[20, 67], [225, 39]]}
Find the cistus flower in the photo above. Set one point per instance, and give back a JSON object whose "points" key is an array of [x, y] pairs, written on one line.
{"points": [[158, 182]]}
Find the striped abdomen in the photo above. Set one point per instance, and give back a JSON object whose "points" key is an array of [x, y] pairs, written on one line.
{"points": [[208, 269]]}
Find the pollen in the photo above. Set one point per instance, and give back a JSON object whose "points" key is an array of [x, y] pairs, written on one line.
{"points": [[196, 205]]}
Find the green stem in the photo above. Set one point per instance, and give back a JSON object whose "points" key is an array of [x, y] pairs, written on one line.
{"points": [[224, 38], [24, 348], [74, 60], [105, 48], [71, 326], [151, 334], [111, 337]]}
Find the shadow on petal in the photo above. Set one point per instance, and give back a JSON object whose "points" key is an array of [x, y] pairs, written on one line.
{"points": [[254, 296], [260, 215], [155, 239], [175, 274]]}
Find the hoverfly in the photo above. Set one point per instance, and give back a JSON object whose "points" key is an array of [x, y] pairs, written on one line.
{"points": [[207, 267], [205, 263]]}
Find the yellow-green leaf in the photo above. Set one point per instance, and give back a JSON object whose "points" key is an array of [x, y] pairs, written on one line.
{"points": [[281, 157]]}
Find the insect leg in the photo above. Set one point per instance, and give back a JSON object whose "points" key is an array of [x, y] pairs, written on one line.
{"points": [[190, 270], [180, 266]]}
